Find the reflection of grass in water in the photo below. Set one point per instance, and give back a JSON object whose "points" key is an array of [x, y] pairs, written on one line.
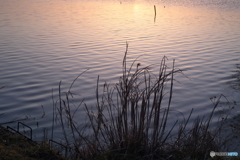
{"points": [[130, 120]]}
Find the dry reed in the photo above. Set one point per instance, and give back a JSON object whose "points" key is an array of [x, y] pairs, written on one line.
{"points": [[131, 118]]}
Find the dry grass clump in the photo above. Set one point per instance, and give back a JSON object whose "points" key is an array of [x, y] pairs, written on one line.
{"points": [[130, 120]]}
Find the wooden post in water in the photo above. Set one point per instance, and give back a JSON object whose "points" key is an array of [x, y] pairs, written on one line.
{"points": [[155, 13], [155, 10]]}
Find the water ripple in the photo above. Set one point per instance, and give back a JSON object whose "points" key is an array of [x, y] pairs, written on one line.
{"points": [[42, 43]]}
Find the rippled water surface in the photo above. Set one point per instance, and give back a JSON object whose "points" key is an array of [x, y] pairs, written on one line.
{"points": [[43, 42]]}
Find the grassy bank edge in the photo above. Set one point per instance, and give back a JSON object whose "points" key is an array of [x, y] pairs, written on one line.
{"points": [[17, 147]]}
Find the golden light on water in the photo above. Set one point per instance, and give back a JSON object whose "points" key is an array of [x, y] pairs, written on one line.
{"points": [[117, 21], [95, 14], [136, 8]]}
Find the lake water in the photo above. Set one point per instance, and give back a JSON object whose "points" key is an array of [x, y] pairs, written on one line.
{"points": [[43, 42]]}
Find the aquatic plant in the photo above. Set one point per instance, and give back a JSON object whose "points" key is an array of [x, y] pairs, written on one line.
{"points": [[130, 120]]}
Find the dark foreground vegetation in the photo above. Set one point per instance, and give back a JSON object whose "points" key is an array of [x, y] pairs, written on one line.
{"points": [[131, 120], [16, 147]]}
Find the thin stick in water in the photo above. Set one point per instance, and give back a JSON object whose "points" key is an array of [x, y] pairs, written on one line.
{"points": [[155, 10], [155, 13]]}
